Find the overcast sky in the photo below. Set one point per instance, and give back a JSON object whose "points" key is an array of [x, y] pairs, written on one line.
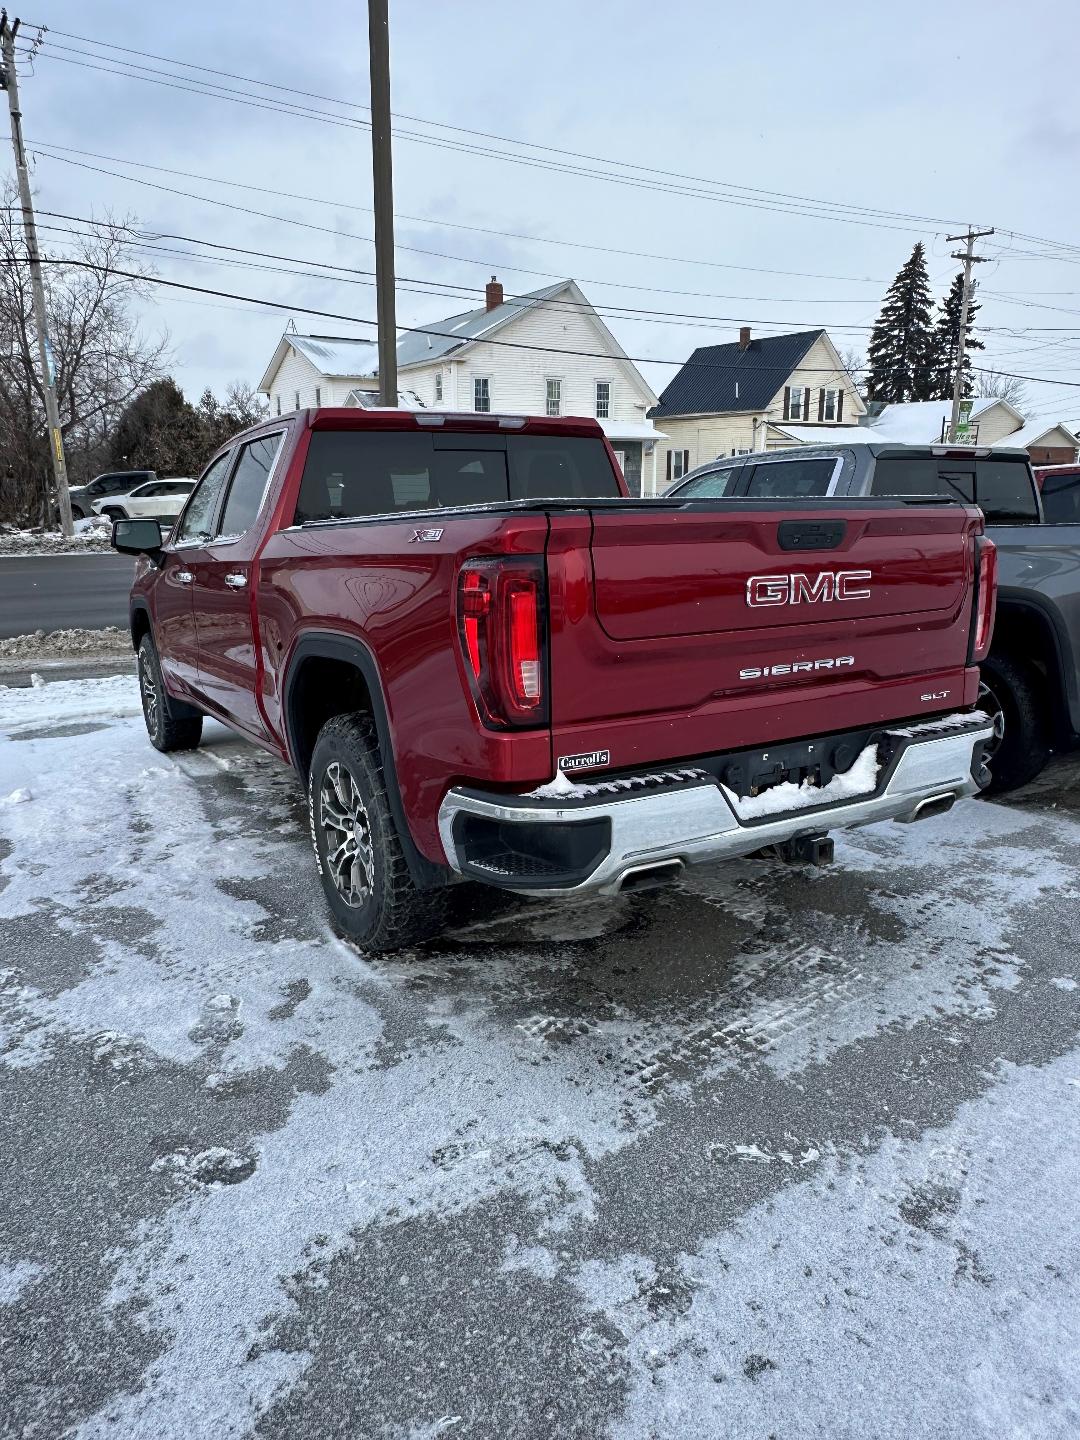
{"points": [[934, 110]]}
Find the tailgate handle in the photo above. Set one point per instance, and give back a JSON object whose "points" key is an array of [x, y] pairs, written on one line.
{"points": [[811, 534]]}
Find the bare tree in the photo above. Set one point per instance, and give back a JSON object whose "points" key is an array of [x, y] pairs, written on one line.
{"points": [[993, 385], [102, 358], [854, 366]]}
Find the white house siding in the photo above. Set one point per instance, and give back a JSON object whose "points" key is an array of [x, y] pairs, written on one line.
{"points": [[995, 423], [518, 378], [705, 436], [820, 370]]}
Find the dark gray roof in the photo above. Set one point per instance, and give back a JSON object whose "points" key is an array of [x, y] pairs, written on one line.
{"points": [[414, 349], [721, 378]]}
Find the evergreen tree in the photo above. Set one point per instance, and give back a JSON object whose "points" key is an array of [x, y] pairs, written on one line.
{"points": [[159, 431], [900, 352], [946, 342]]}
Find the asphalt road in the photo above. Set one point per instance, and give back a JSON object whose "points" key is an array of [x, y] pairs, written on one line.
{"points": [[778, 1152], [60, 592]]}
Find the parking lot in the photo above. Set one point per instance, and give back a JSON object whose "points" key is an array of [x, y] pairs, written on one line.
{"points": [[778, 1152]]}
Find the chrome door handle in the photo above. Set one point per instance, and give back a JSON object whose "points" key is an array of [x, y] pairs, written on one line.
{"points": [[236, 580], [184, 577]]}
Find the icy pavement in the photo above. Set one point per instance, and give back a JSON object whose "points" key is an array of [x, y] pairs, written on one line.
{"points": [[780, 1152]]}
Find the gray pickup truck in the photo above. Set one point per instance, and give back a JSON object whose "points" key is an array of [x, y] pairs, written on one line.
{"points": [[1031, 679]]}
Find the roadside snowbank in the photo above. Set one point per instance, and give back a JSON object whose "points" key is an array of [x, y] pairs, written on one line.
{"points": [[50, 644], [90, 536]]}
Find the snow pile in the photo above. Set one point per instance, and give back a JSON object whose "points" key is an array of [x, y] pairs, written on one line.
{"points": [[942, 722], [560, 788], [861, 779], [50, 644], [91, 535]]}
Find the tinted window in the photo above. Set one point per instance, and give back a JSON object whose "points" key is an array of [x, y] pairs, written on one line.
{"points": [[551, 467], [706, 487], [199, 515], [352, 473], [349, 473], [1005, 491], [176, 487], [248, 484], [792, 478], [1061, 499], [157, 488], [914, 475]]}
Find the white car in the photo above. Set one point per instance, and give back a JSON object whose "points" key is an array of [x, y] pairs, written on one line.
{"points": [[156, 500]]}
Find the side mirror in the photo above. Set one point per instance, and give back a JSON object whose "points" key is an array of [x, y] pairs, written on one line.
{"points": [[137, 537]]}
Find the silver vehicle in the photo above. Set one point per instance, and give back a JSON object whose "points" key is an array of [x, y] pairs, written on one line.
{"points": [[156, 500]]}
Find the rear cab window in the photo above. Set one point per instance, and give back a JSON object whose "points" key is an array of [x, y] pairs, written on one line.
{"points": [[1003, 489], [713, 486], [350, 474]]}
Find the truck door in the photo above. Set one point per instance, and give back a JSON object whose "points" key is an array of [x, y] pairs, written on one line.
{"points": [[222, 600], [174, 618]]}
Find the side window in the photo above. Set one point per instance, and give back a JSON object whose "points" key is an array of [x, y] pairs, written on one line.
{"points": [[1061, 499], [791, 479], [349, 474], [1005, 492], [249, 484], [712, 486], [199, 515]]}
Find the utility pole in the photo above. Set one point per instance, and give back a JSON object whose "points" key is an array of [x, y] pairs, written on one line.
{"points": [[969, 259], [383, 176], [10, 83]]}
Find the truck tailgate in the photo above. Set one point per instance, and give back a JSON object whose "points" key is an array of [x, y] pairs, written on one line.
{"points": [[733, 625]]}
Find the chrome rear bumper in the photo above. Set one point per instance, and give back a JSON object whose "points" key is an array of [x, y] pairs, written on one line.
{"points": [[687, 819]]}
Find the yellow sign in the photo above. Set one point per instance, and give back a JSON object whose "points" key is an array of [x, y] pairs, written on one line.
{"points": [[58, 445]]}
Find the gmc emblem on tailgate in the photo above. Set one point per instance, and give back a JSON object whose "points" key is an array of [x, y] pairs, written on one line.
{"points": [[800, 589]]}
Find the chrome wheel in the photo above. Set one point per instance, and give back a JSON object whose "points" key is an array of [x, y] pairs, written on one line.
{"points": [[149, 689], [346, 833], [989, 702]]}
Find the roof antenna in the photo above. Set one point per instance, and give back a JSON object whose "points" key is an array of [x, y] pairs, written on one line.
{"points": [[291, 329]]}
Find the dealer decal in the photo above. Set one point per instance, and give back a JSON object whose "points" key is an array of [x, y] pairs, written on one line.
{"points": [[593, 760]]}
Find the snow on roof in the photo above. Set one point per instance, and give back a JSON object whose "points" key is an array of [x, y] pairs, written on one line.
{"points": [[826, 434], [1036, 430], [420, 349], [338, 359], [369, 400], [919, 422]]}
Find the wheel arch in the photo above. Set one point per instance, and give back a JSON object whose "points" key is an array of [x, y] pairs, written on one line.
{"points": [[330, 674], [1029, 629]]}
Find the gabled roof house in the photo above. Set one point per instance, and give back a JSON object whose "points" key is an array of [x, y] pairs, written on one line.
{"points": [[544, 353], [730, 399]]}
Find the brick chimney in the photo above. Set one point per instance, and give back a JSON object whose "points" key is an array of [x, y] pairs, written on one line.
{"points": [[493, 295], [744, 338]]}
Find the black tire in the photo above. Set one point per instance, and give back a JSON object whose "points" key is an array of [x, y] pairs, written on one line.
{"points": [[170, 724], [78, 513], [1013, 692], [114, 512], [371, 893]]}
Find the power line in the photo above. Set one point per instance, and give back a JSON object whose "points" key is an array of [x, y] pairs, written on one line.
{"points": [[48, 145], [450, 335], [778, 206], [736, 189]]}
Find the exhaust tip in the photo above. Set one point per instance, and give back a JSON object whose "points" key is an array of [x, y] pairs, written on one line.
{"points": [[934, 805], [650, 877]]}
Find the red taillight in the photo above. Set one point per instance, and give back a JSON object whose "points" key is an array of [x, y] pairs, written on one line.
{"points": [[985, 599], [502, 620]]}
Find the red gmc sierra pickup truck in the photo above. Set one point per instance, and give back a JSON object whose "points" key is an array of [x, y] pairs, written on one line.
{"points": [[488, 662]]}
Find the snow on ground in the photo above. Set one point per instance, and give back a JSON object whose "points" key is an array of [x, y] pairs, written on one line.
{"points": [[90, 535], [53, 645], [777, 1152]]}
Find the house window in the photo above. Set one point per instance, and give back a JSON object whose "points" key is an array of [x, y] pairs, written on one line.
{"points": [[796, 402], [296, 400], [277, 399], [481, 390], [678, 463], [318, 395], [438, 387], [830, 404], [603, 399], [554, 397]]}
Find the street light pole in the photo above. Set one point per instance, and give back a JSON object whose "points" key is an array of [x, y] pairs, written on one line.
{"points": [[383, 178], [9, 80]]}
